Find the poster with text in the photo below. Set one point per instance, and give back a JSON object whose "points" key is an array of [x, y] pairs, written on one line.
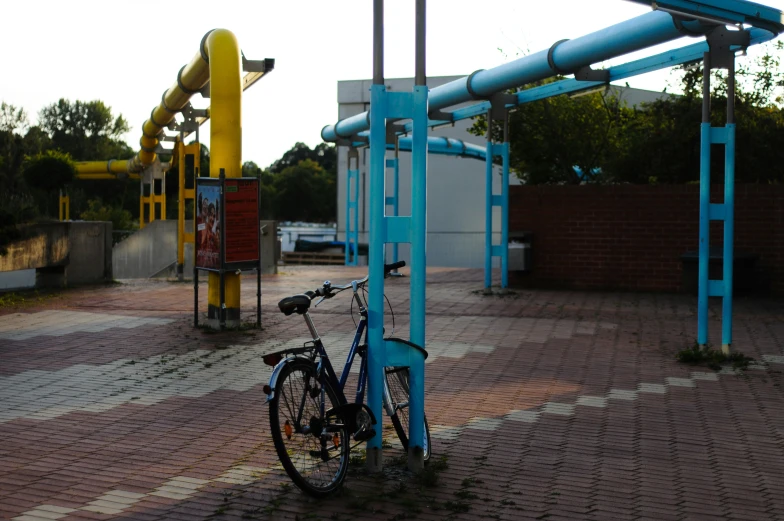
{"points": [[242, 220], [208, 226]]}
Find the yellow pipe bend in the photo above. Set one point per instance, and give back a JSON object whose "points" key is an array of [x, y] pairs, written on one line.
{"points": [[220, 48]]}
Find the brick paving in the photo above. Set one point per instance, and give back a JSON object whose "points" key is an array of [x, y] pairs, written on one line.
{"points": [[552, 405]]}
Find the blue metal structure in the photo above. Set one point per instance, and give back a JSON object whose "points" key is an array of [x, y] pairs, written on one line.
{"points": [[394, 199], [671, 19], [352, 203]]}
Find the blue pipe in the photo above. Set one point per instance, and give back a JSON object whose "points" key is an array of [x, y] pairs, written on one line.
{"points": [[644, 31]]}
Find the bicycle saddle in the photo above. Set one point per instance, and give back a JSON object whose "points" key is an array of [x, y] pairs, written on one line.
{"points": [[298, 303]]}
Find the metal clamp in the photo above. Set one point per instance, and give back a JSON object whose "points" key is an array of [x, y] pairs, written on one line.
{"points": [[475, 95], [182, 87], [551, 61]]}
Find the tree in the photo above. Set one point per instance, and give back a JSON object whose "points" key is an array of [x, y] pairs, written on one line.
{"points": [[12, 118], [305, 192], [324, 154], [550, 137], [266, 187], [46, 173]]}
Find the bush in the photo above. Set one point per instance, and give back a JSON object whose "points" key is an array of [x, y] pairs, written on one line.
{"points": [[97, 211]]}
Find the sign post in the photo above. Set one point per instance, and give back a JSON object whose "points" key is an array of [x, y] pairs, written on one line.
{"points": [[228, 236]]}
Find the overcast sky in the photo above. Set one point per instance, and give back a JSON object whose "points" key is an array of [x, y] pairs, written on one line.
{"points": [[126, 53]]}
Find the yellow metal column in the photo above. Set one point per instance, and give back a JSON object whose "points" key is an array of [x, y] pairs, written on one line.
{"points": [[223, 53], [181, 210], [141, 203], [65, 206]]}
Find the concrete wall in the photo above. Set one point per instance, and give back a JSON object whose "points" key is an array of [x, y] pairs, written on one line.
{"points": [[62, 253], [148, 252], [152, 251]]}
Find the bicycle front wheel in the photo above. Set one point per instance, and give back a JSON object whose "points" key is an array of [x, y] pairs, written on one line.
{"points": [[397, 383], [314, 451]]}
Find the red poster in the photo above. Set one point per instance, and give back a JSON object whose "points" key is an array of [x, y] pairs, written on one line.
{"points": [[242, 220]]}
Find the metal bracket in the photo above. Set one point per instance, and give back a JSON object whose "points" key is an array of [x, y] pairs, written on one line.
{"points": [[265, 65], [205, 91], [720, 40], [498, 103], [588, 74], [439, 115], [392, 130], [190, 113]]}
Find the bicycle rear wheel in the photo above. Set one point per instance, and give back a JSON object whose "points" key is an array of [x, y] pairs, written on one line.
{"points": [[397, 383], [314, 451]]}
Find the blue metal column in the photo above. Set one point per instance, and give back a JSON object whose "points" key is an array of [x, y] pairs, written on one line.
{"points": [[394, 199], [729, 211], [418, 274], [489, 204], [505, 209], [720, 56], [376, 355], [352, 203], [704, 247]]}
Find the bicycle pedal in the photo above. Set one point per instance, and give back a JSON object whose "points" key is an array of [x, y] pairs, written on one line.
{"points": [[364, 434]]}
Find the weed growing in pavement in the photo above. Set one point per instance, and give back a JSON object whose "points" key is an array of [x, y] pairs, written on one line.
{"points": [[712, 358], [457, 506], [15, 300], [428, 476]]}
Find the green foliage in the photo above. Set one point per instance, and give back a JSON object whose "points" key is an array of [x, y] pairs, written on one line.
{"points": [[305, 192], [324, 154], [87, 130], [98, 211], [49, 171]]}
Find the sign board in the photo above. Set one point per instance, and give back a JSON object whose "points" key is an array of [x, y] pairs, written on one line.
{"points": [[208, 227], [241, 210]]}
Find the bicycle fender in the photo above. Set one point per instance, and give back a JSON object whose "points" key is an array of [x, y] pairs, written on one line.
{"points": [[276, 373]]}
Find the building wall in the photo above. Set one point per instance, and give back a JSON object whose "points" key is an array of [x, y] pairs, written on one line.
{"points": [[632, 237]]}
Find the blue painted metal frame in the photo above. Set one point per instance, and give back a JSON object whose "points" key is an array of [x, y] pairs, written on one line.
{"points": [[352, 219], [501, 201], [394, 199], [393, 229]]}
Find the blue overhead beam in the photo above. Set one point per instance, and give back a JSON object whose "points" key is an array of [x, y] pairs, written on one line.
{"points": [[689, 54], [565, 57], [726, 11]]}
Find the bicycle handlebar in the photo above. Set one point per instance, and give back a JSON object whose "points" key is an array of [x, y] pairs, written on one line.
{"points": [[326, 291]]}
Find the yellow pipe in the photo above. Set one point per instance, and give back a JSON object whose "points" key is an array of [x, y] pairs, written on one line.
{"points": [[221, 49]]}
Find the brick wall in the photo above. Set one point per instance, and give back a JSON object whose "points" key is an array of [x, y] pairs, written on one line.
{"points": [[631, 237]]}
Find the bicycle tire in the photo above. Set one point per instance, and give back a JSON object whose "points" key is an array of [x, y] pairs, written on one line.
{"points": [[397, 383], [316, 465]]}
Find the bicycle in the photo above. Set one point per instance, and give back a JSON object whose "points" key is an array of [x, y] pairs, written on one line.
{"points": [[310, 417]]}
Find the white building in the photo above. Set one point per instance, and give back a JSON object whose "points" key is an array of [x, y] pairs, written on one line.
{"points": [[455, 186]]}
